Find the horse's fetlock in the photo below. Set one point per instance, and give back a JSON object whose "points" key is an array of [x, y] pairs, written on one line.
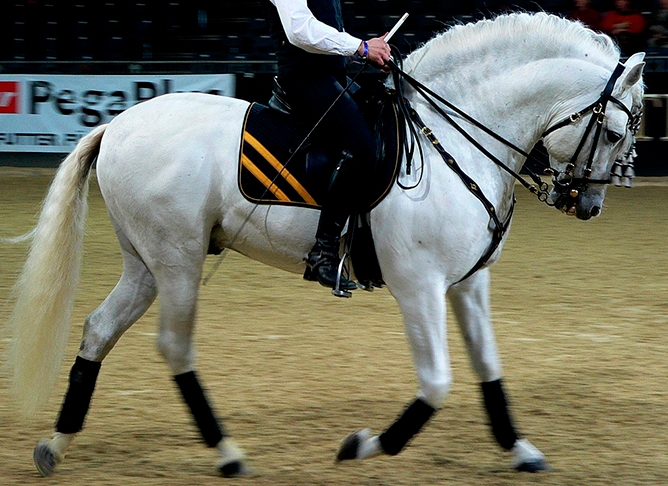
{"points": [[59, 444], [232, 462], [409, 423], [229, 451], [528, 458]]}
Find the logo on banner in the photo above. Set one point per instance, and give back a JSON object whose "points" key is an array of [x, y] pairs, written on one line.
{"points": [[9, 97]]}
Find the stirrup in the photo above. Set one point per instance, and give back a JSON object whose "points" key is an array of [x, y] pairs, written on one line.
{"points": [[334, 282], [337, 291]]}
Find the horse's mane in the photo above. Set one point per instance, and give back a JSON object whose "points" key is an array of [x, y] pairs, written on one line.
{"points": [[534, 36]]}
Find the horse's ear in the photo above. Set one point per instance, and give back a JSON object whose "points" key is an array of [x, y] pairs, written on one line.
{"points": [[633, 68]]}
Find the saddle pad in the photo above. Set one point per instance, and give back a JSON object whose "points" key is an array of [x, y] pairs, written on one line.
{"points": [[269, 172]]}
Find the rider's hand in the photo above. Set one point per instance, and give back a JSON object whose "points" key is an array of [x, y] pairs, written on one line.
{"points": [[379, 52]]}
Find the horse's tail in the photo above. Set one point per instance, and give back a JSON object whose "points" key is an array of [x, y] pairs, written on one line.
{"points": [[44, 293]]}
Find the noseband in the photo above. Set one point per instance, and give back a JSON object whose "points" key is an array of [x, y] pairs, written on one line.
{"points": [[567, 186]]}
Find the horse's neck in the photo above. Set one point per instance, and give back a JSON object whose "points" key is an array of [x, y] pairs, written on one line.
{"points": [[516, 103]]}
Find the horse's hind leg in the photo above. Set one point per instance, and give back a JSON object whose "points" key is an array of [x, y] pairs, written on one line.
{"points": [[128, 301], [178, 283], [470, 303]]}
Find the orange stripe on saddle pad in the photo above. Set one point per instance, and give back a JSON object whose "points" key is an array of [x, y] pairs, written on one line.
{"points": [[280, 168], [269, 172], [280, 195]]}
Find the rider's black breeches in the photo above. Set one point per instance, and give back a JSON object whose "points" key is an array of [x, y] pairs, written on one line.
{"points": [[344, 127]]}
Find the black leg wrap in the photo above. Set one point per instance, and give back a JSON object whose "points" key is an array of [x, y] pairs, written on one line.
{"points": [[194, 396], [83, 376], [395, 438], [499, 416]]}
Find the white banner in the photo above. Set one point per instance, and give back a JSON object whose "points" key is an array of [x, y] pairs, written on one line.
{"points": [[50, 113]]}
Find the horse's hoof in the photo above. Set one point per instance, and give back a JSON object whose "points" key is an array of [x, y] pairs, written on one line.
{"points": [[45, 459], [528, 458], [350, 446], [533, 466], [234, 469]]}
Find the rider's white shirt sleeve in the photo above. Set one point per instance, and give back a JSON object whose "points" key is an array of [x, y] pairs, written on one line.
{"points": [[306, 32]]}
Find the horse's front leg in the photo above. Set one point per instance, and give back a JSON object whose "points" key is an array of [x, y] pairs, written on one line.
{"points": [[470, 303], [422, 302]]}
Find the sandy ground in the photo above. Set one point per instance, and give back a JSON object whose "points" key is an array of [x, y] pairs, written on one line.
{"points": [[581, 317]]}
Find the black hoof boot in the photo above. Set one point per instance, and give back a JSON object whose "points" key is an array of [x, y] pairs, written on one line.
{"points": [[323, 266]]}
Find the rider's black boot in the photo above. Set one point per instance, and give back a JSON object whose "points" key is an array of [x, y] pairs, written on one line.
{"points": [[323, 260]]}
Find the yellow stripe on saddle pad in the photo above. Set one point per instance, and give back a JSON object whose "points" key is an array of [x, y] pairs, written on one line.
{"points": [[280, 168], [270, 172]]}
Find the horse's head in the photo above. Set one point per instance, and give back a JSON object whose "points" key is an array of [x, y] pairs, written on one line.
{"points": [[584, 146]]}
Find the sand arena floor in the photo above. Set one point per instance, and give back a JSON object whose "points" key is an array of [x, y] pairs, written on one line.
{"points": [[580, 311]]}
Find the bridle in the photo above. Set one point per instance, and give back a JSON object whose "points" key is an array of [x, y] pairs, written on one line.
{"points": [[566, 185], [564, 182]]}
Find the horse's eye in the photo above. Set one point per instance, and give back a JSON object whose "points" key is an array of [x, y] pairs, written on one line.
{"points": [[613, 137]]}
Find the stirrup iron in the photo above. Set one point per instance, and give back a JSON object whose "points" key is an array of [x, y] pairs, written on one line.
{"points": [[337, 291]]}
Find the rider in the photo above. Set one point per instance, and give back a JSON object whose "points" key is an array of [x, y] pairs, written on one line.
{"points": [[312, 52]]}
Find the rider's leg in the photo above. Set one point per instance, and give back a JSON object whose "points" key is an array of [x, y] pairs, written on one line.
{"points": [[317, 95], [323, 259]]}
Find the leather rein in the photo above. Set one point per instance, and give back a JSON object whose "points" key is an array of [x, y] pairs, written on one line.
{"points": [[566, 185]]}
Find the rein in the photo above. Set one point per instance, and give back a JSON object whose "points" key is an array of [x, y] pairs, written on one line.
{"points": [[540, 189], [499, 227]]}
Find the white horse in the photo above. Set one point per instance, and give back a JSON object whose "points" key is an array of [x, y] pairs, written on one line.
{"points": [[167, 169]]}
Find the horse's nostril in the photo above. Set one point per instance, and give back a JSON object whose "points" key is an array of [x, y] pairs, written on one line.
{"points": [[595, 211]]}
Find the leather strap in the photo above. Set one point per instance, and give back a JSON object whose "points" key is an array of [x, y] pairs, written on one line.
{"points": [[473, 187]]}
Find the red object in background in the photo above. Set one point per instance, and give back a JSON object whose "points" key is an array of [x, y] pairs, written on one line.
{"points": [[9, 97]]}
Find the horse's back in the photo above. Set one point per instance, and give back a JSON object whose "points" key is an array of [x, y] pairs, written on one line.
{"points": [[172, 120]]}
